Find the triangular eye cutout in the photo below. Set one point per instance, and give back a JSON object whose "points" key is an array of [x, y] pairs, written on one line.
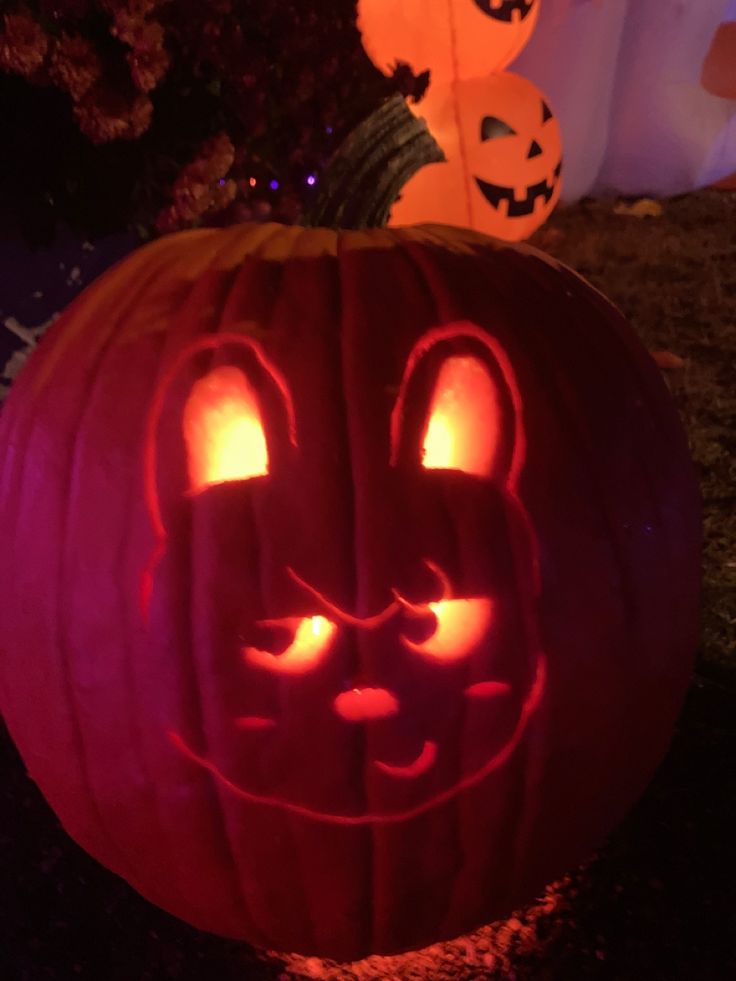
{"points": [[223, 430], [461, 431], [546, 112], [492, 128]]}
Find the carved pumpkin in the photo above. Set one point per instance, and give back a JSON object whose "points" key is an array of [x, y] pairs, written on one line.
{"points": [[349, 581], [504, 159], [454, 39]]}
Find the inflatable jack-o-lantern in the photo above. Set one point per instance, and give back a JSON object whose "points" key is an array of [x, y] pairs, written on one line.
{"points": [[503, 170], [454, 39], [350, 578]]}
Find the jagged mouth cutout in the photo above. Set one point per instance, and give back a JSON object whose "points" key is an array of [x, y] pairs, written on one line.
{"points": [[223, 428], [542, 191], [503, 198]]}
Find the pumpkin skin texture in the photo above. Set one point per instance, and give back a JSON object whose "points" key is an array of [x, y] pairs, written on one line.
{"points": [[234, 515]]}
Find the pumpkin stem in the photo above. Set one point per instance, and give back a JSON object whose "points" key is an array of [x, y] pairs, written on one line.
{"points": [[369, 169]]}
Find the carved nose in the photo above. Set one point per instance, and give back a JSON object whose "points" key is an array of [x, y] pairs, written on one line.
{"points": [[534, 150], [363, 704]]}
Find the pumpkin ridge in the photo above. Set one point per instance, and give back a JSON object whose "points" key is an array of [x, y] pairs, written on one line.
{"points": [[651, 391], [348, 244], [245, 247], [227, 242], [65, 655], [223, 242], [422, 259]]}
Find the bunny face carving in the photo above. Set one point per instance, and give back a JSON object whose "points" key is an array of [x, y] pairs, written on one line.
{"points": [[415, 665]]}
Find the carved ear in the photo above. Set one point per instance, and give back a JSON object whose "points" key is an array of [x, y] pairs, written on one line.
{"points": [[461, 429], [223, 430], [222, 412], [458, 407]]}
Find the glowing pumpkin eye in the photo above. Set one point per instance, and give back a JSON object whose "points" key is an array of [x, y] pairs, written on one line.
{"points": [[223, 430], [311, 640], [461, 624], [463, 415]]}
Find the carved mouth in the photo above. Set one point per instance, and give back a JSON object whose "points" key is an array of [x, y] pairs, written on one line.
{"points": [[424, 761], [497, 193], [508, 11], [426, 757], [496, 760]]}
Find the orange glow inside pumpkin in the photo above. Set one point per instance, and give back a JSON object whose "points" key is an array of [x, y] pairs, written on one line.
{"points": [[223, 430], [460, 431], [461, 625], [312, 637], [364, 704]]}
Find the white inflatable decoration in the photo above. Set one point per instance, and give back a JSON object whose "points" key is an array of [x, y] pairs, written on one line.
{"points": [[625, 79]]}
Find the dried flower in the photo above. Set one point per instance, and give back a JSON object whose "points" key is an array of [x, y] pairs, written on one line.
{"points": [[134, 8], [220, 151], [23, 45], [279, 77], [167, 220], [191, 197], [223, 194], [104, 115], [148, 60], [201, 187], [129, 19], [65, 10], [75, 65]]}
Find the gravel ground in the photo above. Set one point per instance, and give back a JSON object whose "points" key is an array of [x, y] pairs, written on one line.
{"points": [[658, 903]]}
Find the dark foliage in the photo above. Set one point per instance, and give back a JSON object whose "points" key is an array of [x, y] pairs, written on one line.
{"points": [[284, 82]]}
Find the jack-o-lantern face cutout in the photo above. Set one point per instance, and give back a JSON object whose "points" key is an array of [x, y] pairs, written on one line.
{"points": [[453, 39], [513, 147], [504, 159], [429, 690]]}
